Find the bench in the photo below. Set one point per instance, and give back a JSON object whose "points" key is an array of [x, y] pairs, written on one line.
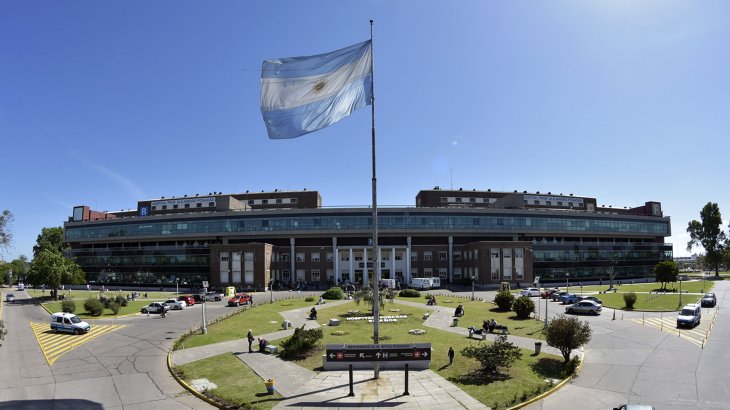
{"points": [[271, 349], [482, 336]]}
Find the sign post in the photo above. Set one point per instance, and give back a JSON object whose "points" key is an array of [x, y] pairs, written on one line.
{"points": [[392, 356], [205, 294]]}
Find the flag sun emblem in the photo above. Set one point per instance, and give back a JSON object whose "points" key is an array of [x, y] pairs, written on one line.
{"points": [[319, 87]]}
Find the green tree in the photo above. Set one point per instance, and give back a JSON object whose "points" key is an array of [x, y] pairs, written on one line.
{"points": [[666, 271], [493, 356], [709, 235], [365, 294], [567, 333], [50, 239], [6, 237], [18, 267], [523, 306], [52, 269], [504, 299]]}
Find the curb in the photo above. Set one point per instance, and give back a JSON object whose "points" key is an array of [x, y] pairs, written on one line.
{"points": [[554, 389], [187, 386]]}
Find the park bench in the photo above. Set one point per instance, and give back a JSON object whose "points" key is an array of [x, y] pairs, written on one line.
{"points": [[482, 336], [271, 349]]}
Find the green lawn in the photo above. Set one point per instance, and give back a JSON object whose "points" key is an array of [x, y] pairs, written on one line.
{"points": [[237, 383], [693, 286], [79, 296], [261, 319]]}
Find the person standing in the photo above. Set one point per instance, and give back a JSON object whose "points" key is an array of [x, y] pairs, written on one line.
{"points": [[250, 340], [451, 356]]}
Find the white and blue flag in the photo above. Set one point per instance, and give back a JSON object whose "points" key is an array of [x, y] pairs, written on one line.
{"points": [[300, 95]]}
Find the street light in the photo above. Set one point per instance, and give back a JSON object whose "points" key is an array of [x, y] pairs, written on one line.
{"points": [[680, 292], [177, 286], [567, 285], [472, 286]]}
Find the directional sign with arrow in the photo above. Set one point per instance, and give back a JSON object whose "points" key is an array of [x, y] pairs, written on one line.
{"points": [[378, 353]]}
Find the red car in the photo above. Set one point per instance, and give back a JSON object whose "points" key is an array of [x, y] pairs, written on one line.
{"points": [[239, 299], [187, 299], [548, 293]]}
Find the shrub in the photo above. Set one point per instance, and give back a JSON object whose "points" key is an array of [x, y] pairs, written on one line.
{"points": [[523, 306], [571, 367], [68, 306], [309, 299], [94, 306], [493, 356], [106, 302], [409, 293], [301, 342], [504, 300], [115, 307], [629, 299], [121, 300], [334, 294]]}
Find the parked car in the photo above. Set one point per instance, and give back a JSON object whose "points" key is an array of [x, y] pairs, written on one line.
{"points": [[530, 292], [155, 307], [634, 407], [568, 299], [175, 304], [189, 300], [690, 316], [709, 300], [239, 299], [10, 298], [548, 293], [68, 322], [593, 298], [556, 295], [584, 306]]}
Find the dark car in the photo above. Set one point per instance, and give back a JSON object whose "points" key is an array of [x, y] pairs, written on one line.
{"points": [[709, 300], [239, 299], [556, 295], [593, 298], [189, 300]]}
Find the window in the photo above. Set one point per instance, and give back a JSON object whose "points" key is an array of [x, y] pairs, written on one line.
{"points": [[345, 257], [548, 203], [427, 256], [294, 200], [198, 205], [476, 253], [458, 200], [264, 202], [457, 255], [442, 256], [444, 199], [560, 203], [314, 257], [285, 274], [211, 203], [472, 200], [443, 273], [329, 256], [285, 257], [278, 201], [414, 256], [164, 207], [399, 256], [174, 206], [315, 275], [250, 201], [300, 257], [187, 205], [154, 208]]}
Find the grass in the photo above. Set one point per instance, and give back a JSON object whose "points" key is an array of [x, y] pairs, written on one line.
{"points": [[261, 319], [79, 296], [237, 384]]}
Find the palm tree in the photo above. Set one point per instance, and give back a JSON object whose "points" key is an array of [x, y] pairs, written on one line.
{"points": [[365, 294]]}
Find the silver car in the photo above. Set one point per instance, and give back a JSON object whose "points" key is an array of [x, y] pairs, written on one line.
{"points": [[584, 306]]}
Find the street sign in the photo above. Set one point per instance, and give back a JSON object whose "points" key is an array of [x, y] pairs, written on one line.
{"points": [[378, 353]]}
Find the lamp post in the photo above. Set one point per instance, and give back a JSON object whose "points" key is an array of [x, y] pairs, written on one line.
{"points": [[680, 292], [177, 287], [271, 290], [472, 286], [205, 293], [567, 285]]}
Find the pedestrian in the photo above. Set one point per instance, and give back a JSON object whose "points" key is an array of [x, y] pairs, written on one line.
{"points": [[250, 340], [250, 300], [451, 356]]}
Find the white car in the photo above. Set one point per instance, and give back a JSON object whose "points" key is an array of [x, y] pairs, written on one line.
{"points": [[530, 292], [175, 304]]}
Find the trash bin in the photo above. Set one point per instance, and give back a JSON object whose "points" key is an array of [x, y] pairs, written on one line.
{"points": [[269, 386], [285, 324], [456, 322], [538, 346]]}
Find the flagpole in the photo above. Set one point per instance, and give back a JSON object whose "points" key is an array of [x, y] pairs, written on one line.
{"points": [[376, 255]]}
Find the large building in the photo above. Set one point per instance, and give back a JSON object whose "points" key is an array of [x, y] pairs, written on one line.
{"points": [[288, 237]]}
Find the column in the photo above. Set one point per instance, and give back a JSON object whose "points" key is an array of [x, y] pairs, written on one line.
{"points": [[336, 260], [365, 276], [451, 259], [407, 273], [376, 270], [352, 272], [292, 261], [392, 263]]}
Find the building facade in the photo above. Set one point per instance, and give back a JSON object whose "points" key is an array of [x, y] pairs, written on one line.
{"points": [[251, 240]]}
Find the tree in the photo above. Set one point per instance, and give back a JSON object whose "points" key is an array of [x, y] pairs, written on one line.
{"points": [[523, 306], [708, 234], [493, 356], [666, 271], [504, 299], [6, 237], [50, 239], [52, 269], [567, 333], [18, 267], [365, 294]]}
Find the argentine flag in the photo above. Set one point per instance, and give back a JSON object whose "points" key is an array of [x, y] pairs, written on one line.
{"points": [[300, 95]]}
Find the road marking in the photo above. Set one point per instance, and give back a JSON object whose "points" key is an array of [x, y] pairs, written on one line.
{"points": [[54, 344], [696, 335]]}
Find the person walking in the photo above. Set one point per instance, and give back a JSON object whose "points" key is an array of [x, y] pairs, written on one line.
{"points": [[250, 340], [451, 356]]}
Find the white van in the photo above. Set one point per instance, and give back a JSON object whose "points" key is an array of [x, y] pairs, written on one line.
{"points": [[68, 322], [21, 286], [436, 283], [387, 283], [690, 315], [421, 283]]}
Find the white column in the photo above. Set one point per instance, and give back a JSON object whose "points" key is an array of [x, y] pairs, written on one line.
{"points": [[376, 269], [407, 273], [336, 258], [392, 263], [451, 259], [352, 272], [292, 261], [365, 276]]}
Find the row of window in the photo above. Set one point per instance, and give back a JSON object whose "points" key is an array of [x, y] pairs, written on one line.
{"points": [[273, 201], [250, 224], [185, 206]]}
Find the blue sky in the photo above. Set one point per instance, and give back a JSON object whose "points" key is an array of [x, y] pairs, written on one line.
{"points": [[107, 103]]}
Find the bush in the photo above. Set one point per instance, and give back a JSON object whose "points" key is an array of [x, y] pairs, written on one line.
{"points": [[68, 306], [301, 342], [106, 302], [409, 293], [504, 300], [120, 300], [523, 306], [94, 306], [495, 355], [334, 294], [629, 300], [115, 307], [309, 299]]}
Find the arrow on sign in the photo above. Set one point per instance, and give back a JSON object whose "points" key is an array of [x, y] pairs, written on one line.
{"points": [[332, 355]]}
